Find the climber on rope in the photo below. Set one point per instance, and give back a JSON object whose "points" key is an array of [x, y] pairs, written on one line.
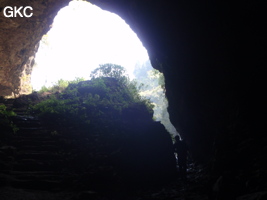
{"points": [[180, 148]]}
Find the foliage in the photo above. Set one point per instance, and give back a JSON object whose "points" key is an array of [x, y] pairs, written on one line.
{"points": [[43, 89], [118, 72], [60, 85], [99, 102], [5, 112], [60, 111], [151, 85], [5, 119], [109, 70]]}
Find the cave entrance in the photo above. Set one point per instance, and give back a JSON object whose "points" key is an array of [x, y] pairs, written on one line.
{"points": [[82, 37]]}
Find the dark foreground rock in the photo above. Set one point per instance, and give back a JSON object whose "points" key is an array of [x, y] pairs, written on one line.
{"points": [[36, 157]]}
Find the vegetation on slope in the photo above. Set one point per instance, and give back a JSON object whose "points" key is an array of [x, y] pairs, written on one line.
{"points": [[106, 129], [6, 122], [108, 97]]}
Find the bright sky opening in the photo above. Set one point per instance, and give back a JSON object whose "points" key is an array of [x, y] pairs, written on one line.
{"points": [[82, 37]]}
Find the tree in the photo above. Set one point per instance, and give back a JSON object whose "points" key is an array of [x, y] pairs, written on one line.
{"points": [[109, 70], [118, 72], [152, 86]]}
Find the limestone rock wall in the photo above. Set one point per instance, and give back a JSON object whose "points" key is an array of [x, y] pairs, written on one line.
{"points": [[18, 38], [25, 77], [212, 57]]}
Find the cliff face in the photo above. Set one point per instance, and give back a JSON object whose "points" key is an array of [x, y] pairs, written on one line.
{"points": [[212, 57], [19, 38]]}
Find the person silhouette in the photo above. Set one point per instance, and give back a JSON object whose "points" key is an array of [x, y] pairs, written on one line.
{"points": [[180, 148]]}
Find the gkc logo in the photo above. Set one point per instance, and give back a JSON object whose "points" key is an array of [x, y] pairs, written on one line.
{"points": [[18, 11]]}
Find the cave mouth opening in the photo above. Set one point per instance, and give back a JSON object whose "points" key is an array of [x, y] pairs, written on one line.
{"points": [[82, 37]]}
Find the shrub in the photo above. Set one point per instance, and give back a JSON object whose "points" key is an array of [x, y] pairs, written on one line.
{"points": [[5, 119], [97, 102]]}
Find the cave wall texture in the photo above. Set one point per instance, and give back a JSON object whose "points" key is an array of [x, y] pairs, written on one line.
{"points": [[19, 38], [212, 55]]}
